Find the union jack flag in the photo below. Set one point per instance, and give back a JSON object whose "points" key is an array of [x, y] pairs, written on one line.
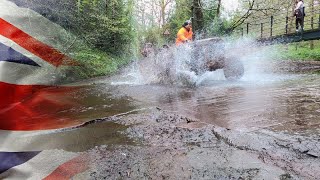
{"points": [[32, 50]]}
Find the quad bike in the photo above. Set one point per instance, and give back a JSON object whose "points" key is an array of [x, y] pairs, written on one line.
{"points": [[206, 55]]}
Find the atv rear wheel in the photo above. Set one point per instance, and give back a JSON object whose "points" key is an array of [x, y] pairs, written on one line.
{"points": [[233, 69]]}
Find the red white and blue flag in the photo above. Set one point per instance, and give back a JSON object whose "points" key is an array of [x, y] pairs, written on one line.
{"points": [[32, 51]]}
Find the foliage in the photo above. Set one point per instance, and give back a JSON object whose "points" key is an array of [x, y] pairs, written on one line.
{"points": [[94, 62], [105, 30], [113, 34], [218, 27], [181, 14], [298, 51], [106, 26], [212, 24], [154, 36]]}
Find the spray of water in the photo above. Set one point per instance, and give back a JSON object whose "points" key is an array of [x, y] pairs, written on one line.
{"points": [[259, 60], [187, 65]]}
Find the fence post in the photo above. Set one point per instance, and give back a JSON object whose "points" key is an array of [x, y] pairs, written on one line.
{"points": [[311, 22], [247, 28], [261, 30], [242, 32], [271, 25], [319, 22], [287, 21]]}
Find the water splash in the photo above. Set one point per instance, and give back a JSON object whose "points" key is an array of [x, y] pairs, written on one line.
{"points": [[175, 66], [258, 59]]}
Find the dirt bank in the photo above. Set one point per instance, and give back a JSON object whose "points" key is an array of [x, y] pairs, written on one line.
{"points": [[296, 66], [169, 146]]}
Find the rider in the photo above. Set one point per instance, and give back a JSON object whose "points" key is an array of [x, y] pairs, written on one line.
{"points": [[185, 33]]}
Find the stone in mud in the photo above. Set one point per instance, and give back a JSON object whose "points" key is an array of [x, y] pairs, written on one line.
{"points": [[313, 154]]}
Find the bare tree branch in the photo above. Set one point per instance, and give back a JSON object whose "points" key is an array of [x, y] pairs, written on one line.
{"points": [[241, 20]]}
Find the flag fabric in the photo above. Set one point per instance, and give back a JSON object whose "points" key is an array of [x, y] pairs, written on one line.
{"points": [[32, 51]]}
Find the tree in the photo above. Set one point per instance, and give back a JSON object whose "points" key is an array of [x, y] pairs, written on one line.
{"points": [[207, 19], [164, 4], [153, 12], [105, 24], [312, 16], [169, 15], [181, 12], [198, 19]]}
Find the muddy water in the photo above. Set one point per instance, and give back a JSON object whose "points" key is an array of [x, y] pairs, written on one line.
{"points": [[288, 103], [274, 122], [265, 125], [261, 99]]}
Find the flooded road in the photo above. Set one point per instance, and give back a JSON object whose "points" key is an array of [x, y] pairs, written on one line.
{"points": [[263, 126], [279, 102]]}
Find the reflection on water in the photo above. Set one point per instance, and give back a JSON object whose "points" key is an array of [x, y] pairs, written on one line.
{"points": [[74, 140], [285, 102], [288, 103], [93, 102]]}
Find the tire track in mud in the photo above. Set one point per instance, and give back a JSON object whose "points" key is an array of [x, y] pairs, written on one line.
{"points": [[295, 157], [174, 147]]}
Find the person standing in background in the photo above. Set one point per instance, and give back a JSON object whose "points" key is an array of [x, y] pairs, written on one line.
{"points": [[299, 14]]}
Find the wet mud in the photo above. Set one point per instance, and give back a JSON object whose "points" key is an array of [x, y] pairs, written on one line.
{"points": [[296, 66], [171, 146]]}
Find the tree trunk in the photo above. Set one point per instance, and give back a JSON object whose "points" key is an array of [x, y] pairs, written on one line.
{"points": [[218, 9], [113, 19], [197, 22], [163, 8], [293, 25], [312, 15]]}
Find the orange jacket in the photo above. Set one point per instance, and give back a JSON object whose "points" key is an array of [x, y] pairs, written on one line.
{"points": [[183, 35]]}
